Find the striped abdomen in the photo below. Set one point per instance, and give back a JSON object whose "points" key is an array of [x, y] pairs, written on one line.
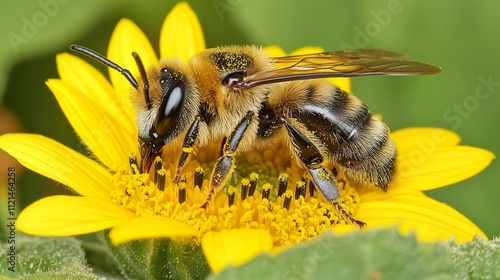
{"points": [[358, 143]]}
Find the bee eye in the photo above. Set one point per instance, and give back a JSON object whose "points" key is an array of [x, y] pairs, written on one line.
{"points": [[233, 79], [169, 109]]}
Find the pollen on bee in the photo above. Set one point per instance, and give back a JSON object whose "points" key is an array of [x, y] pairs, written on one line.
{"points": [[324, 175]]}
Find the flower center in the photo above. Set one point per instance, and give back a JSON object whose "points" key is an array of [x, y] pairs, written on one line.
{"points": [[266, 191]]}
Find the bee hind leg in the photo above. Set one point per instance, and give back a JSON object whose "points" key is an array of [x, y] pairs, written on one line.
{"points": [[311, 157], [225, 164]]}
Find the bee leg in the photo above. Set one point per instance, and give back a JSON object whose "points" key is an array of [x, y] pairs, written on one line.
{"points": [[187, 147], [225, 164], [311, 157]]}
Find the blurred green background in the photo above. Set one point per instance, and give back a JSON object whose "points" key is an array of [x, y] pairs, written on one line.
{"points": [[461, 38]]}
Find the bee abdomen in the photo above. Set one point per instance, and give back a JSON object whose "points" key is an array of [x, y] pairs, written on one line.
{"points": [[370, 156], [357, 142]]}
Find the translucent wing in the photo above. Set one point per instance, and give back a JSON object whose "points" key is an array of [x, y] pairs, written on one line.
{"points": [[350, 63]]}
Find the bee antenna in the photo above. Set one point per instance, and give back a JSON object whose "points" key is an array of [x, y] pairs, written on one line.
{"points": [[107, 62], [144, 77]]}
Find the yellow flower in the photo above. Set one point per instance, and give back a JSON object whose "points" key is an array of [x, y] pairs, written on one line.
{"points": [[266, 206]]}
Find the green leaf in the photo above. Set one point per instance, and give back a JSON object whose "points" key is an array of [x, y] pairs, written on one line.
{"points": [[163, 258], [381, 254], [44, 258], [34, 27], [100, 260], [478, 259], [376, 254]]}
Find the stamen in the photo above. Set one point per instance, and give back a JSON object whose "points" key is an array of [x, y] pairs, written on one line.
{"points": [[305, 175], [230, 194], [312, 188], [182, 192], [266, 190], [282, 183], [132, 160], [245, 186], [288, 200], [198, 177], [161, 177], [264, 203], [253, 183], [158, 165], [300, 189]]}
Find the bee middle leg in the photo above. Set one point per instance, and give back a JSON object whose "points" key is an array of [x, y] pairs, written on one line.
{"points": [[311, 157], [225, 164]]}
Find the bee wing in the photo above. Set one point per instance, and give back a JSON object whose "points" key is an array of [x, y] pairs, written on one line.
{"points": [[350, 63]]}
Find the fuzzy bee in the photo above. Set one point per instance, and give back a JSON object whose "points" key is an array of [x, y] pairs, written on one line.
{"points": [[240, 94]]}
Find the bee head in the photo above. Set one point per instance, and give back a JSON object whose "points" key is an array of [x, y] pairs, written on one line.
{"points": [[165, 106]]}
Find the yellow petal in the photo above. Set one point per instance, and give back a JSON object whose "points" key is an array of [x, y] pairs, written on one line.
{"points": [[274, 51], [181, 34], [424, 139], [149, 227], [56, 161], [413, 211], [307, 50], [128, 38], [440, 166], [70, 215], [234, 247], [343, 229], [343, 83], [81, 75], [108, 137]]}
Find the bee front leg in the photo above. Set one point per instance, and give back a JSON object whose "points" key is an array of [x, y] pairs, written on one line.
{"points": [[187, 147], [225, 164], [311, 157]]}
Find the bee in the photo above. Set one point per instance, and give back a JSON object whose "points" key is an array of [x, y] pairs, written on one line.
{"points": [[252, 100]]}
